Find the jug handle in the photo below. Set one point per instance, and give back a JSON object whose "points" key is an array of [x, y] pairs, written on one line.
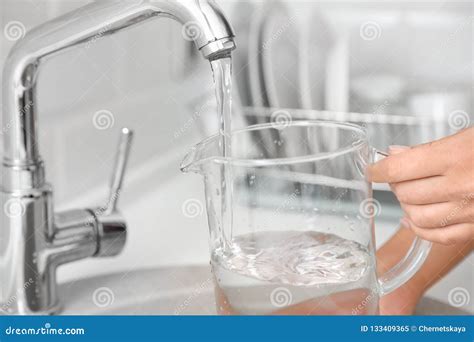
{"points": [[409, 265]]}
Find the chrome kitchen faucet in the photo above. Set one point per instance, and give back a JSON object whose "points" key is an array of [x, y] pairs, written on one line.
{"points": [[34, 240]]}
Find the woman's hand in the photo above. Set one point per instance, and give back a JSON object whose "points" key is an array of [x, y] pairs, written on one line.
{"points": [[434, 183]]}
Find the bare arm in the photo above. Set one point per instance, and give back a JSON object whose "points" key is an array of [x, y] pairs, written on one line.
{"points": [[441, 260]]}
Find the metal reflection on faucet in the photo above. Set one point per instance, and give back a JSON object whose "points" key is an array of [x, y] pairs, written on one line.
{"points": [[35, 241]]}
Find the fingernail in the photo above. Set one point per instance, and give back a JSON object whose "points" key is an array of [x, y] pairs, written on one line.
{"points": [[405, 223], [394, 149]]}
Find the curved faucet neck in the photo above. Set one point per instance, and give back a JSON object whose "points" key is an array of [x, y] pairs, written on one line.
{"points": [[213, 36]]}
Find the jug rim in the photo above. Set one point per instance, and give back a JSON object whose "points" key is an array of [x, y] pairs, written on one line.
{"points": [[361, 140]]}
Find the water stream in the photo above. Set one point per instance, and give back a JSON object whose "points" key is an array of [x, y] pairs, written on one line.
{"points": [[222, 71]]}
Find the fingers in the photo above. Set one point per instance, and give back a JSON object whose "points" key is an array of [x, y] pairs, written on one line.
{"points": [[417, 162], [449, 235], [425, 191], [439, 214]]}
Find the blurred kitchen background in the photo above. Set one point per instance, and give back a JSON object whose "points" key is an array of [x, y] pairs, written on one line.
{"points": [[406, 67]]}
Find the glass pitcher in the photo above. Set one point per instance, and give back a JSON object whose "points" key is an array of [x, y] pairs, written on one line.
{"points": [[291, 221]]}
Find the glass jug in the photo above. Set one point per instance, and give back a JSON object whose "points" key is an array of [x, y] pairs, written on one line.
{"points": [[291, 221]]}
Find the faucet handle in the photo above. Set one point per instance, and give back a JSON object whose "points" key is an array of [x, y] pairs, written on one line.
{"points": [[111, 226], [121, 160]]}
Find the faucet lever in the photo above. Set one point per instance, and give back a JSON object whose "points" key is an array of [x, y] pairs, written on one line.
{"points": [[121, 160], [111, 225]]}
